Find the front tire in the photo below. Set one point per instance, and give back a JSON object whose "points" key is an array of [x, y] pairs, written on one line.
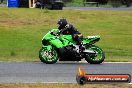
{"points": [[95, 59], [48, 57]]}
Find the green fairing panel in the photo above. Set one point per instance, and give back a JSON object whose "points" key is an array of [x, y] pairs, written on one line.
{"points": [[49, 36], [90, 39], [85, 41], [68, 37], [67, 40], [57, 43]]}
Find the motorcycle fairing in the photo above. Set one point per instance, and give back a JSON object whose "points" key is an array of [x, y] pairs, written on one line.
{"points": [[91, 39]]}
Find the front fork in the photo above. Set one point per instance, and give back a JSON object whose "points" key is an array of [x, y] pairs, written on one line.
{"points": [[48, 51]]}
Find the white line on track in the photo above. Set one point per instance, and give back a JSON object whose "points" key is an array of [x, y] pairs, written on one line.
{"points": [[60, 62], [87, 62]]}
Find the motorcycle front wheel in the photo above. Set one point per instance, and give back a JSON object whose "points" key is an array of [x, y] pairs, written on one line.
{"points": [[48, 57]]}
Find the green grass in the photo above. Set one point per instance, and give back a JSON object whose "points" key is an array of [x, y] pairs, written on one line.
{"points": [[79, 3], [68, 85], [75, 3], [21, 31]]}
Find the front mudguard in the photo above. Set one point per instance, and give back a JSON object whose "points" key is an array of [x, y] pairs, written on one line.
{"points": [[48, 47]]}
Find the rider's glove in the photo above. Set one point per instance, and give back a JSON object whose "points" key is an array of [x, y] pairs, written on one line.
{"points": [[58, 33]]}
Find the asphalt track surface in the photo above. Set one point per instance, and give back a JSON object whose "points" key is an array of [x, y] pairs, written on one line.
{"points": [[32, 72]]}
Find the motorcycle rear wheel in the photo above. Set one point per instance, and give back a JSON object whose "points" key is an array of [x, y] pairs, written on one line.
{"points": [[98, 58]]}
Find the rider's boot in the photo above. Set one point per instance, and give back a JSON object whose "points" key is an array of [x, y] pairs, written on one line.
{"points": [[81, 48]]}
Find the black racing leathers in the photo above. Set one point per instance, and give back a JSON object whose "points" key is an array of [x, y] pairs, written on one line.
{"points": [[70, 30]]}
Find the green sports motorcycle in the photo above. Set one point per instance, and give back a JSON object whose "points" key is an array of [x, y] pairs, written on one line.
{"points": [[64, 48]]}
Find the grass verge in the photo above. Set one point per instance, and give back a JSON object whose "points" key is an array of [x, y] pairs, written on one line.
{"points": [[57, 85], [21, 30]]}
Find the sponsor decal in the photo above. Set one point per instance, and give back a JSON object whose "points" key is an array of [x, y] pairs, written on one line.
{"points": [[82, 78]]}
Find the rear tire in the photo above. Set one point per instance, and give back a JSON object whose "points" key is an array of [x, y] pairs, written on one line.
{"points": [[45, 56], [99, 58]]}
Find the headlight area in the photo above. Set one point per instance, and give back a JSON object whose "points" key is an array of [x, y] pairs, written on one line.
{"points": [[44, 42]]}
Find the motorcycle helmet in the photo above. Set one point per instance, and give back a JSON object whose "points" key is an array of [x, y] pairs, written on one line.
{"points": [[62, 23]]}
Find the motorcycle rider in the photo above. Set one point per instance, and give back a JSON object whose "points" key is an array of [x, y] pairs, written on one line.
{"points": [[68, 29]]}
